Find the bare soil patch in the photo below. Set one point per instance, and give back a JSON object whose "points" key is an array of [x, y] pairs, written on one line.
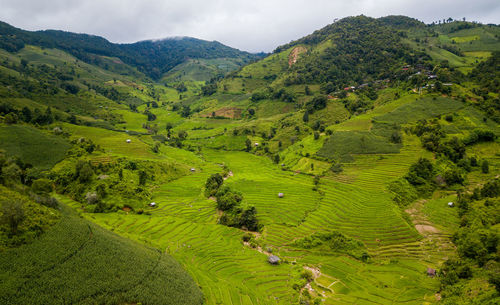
{"points": [[294, 55], [426, 229], [226, 112]]}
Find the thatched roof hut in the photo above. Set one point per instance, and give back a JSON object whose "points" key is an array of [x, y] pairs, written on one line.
{"points": [[273, 259]]}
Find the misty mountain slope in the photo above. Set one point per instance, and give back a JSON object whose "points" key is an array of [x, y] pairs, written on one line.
{"points": [[152, 57]]}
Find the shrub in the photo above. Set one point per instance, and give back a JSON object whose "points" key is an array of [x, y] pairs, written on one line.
{"points": [[247, 237], [227, 199], [142, 177], [46, 200], [336, 241], [12, 214], [420, 172], [307, 275], [396, 137], [317, 103], [11, 118], [454, 176], [248, 219], [336, 168], [479, 135], [92, 198], [213, 184], [491, 189], [42, 186], [403, 192], [485, 167], [84, 171], [257, 96]]}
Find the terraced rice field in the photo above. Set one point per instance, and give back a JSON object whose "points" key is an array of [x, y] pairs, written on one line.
{"points": [[355, 202], [184, 225], [113, 142]]}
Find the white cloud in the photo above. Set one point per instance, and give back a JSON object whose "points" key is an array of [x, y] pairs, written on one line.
{"points": [[258, 25]]}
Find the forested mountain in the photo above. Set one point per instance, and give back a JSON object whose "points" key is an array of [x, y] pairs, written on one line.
{"points": [[354, 50], [153, 58], [356, 165]]}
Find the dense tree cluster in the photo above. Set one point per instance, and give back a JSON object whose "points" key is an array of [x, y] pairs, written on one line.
{"points": [[353, 38], [487, 76], [235, 213], [477, 248], [13, 116]]}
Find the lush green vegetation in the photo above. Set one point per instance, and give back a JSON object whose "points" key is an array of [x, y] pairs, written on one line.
{"points": [[23, 220], [476, 266], [37, 148], [81, 263], [339, 153]]}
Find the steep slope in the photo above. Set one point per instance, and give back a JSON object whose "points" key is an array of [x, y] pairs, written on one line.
{"points": [[78, 262]]}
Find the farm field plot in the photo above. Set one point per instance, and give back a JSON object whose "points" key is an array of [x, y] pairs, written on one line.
{"points": [[113, 142], [37, 148]]}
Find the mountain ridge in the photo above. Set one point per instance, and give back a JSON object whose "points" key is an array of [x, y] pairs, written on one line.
{"points": [[152, 57]]}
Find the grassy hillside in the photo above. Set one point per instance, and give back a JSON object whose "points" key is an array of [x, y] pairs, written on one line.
{"points": [[78, 262], [40, 149]]}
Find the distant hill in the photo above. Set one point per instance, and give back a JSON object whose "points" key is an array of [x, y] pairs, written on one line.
{"points": [[152, 57], [354, 50], [362, 50]]}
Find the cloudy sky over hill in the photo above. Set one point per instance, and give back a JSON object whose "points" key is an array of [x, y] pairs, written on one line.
{"points": [[258, 25]]}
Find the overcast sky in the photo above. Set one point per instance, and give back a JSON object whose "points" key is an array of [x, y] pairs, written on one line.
{"points": [[250, 25]]}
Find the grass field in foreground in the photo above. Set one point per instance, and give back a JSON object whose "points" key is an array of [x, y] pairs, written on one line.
{"points": [[77, 262]]}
